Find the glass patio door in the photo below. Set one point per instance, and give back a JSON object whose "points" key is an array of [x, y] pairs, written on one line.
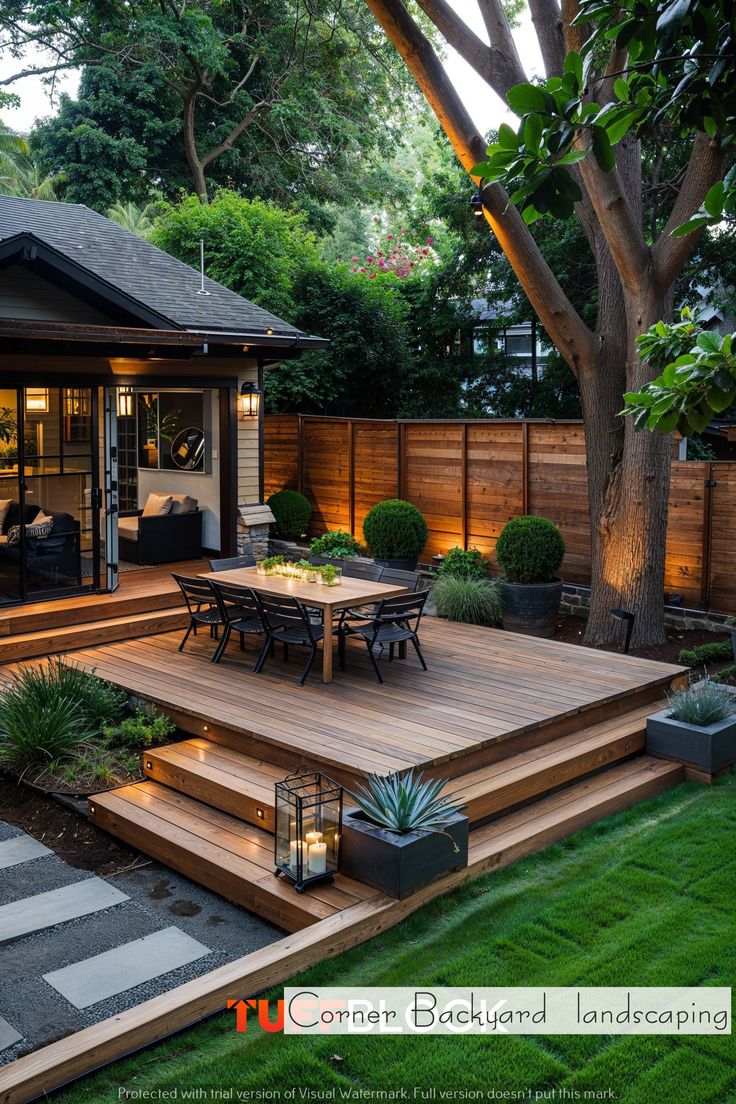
{"points": [[112, 492], [54, 543]]}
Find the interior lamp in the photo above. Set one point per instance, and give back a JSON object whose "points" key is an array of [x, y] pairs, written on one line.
{"points": [[37, 400], [125, 402]]}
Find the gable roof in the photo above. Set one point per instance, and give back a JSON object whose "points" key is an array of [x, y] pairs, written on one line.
{"points": [[152, 283]]}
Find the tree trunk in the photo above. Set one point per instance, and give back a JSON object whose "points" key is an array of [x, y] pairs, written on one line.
{"points": [[190, 146], [628, 477]]}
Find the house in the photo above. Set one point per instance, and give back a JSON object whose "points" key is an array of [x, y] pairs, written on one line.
{"points": [[521, 342], [125, 374]]}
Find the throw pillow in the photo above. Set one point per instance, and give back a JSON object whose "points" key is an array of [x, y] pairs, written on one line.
{"points": [[13, 535], [4, 507], [41, 526], [183, 504], [157, 505]]}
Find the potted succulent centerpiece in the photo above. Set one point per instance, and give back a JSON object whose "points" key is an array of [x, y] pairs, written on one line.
{"points": [[697, 728], [396, 534], [530, 551], [402, 834]]}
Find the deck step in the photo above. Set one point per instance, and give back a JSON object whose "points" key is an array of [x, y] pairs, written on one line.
{"points": [[218, 851], [85, 635], [489, 790], [235, 859], [551, 819], [217, 775]]}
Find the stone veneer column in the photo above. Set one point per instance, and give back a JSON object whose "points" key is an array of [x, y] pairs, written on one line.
{"points": [[253, 525]]}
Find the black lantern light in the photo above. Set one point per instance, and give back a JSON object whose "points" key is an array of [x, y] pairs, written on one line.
{"points": [[476, 202], [308, 828], [250, 398]]}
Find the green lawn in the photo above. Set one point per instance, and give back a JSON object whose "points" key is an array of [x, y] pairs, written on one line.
{"points": [[647, 897]]}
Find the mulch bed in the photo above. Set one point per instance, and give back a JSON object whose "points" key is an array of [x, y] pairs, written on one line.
{"points": [[570, 630], [69, 835]]}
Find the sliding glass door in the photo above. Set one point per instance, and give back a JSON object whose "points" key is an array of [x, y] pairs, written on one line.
{"points": [[49, 481]]}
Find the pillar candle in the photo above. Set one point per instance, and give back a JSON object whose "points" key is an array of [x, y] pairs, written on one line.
{"points": [[317, 858]]}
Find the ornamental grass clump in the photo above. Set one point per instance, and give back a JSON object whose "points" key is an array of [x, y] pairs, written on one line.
{"points": [[530, 550], [395, 530], [406, 803], [43, 719], [337, 545], [472, 600], [705, 703], [292, 512]]}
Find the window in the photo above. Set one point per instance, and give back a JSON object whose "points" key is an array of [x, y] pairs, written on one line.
{"points": [[171, 433]]}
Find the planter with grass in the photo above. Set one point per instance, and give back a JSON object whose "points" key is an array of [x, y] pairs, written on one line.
{"points": [[403, 834], [698, 728], [530, 551], [396, 533]]}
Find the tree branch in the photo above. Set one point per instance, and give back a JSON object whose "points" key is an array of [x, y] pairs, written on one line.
{"points": [[503, 47], [498, 64], [705, 167], [547, 20], [572, 337], [621, 230]]}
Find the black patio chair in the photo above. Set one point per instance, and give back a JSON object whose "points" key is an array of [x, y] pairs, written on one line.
{"points": [[286, 620], [396, 621], [239, 612], [232, 562], [395, 577], [353, 569], [201, 603]]}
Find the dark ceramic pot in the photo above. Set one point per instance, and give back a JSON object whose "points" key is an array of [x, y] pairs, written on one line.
{"points": [[531, 608]]}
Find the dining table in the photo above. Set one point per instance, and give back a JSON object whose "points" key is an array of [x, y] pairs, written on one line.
{"points": [[350, 593]]}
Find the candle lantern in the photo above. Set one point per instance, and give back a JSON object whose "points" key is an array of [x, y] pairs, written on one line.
{"points": [[308, 828]]}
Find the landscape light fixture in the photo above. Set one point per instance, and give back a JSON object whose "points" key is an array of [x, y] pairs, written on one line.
{"points": [[476, 202], [125, 402], [250, 400]]}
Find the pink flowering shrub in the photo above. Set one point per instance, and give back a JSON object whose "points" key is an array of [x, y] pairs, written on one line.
{"points": [[400, 252]]}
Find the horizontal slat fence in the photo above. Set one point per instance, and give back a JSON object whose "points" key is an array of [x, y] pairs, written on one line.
{"points": [[469, 478]]}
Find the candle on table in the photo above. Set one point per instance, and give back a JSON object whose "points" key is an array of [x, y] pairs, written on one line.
{"points": [[313, 837], [296, 848]]}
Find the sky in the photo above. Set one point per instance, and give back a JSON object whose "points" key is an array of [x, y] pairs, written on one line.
{"points": [[485, 108]]}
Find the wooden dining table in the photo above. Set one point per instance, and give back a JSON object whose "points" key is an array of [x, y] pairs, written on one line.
{"points": [[350, 594]]}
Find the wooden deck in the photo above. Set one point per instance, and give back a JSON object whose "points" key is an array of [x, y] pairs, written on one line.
{"points": [[483, 688], [146, 601]]}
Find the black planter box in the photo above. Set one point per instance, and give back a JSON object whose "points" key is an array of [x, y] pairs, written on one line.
{"points": [[531, 608], [708, 749], [400, 864]]}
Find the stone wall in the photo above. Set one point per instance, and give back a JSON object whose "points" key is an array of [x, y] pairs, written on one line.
{"points": [[576, 602]]}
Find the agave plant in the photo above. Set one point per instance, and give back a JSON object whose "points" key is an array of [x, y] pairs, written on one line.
{"points": [[405, 803]]}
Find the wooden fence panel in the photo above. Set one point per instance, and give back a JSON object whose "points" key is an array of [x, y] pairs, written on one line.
{"points": [[494, 475], [558, 490], [375, 463], [281, 453], [432, 478], [470, 478], [325, 472], [684, 564], [723, 537]]}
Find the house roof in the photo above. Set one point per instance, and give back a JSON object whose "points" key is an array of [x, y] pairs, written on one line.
{"points": [[134, 272]]}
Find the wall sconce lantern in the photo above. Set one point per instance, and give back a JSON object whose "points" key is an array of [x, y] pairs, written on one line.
{"points": [[37, 400], [250, 399], [125, 402], [308, 828]]}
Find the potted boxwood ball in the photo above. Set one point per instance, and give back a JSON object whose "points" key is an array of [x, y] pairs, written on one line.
{"points": [[403, 834], [396, 534], [530, 551], [698, 727]]}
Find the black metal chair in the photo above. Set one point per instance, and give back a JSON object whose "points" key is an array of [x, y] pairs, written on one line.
{"points": [[201, 602], [395, 577], [232, 562], [239, 611], [397, 620], [286, 620], [353, 569]]}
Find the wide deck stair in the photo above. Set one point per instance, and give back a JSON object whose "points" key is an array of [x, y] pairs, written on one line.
{"points": [[148, 602], [207, 808]]}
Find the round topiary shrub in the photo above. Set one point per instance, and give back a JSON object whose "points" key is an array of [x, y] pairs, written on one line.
{"points": [[530, 550], [336, 545], [292, 512], [395, 530]]}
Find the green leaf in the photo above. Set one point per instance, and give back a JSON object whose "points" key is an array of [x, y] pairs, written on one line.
{"points": [[507, 137], [713, 201], [602, 151], [621, 88], [572, 157], [574, 65], [691, 225], [709, 341], [719, 400], [532, 132], [523, 98], [620, 124]]}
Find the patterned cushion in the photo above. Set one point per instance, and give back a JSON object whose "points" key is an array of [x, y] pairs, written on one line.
{"points": [[13, 535], [39, 529], [183, 504]]}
